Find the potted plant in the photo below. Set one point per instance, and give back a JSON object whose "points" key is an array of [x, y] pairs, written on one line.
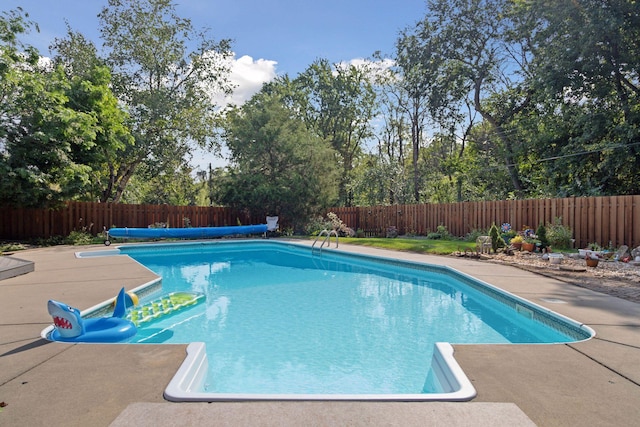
{"points": [[517, 241], [592, 259], [529, 244]]}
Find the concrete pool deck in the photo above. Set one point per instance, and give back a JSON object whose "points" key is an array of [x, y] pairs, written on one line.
{"points": [[596, 382]]}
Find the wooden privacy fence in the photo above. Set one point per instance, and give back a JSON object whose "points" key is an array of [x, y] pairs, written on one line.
{"points": [[614, 219], [24, 223]]}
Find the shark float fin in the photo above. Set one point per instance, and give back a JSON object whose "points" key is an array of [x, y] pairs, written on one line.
{"points": [[121, 305]]}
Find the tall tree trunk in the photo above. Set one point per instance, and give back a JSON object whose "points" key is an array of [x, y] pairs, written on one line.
{"points": [[509, 157], [415, 141], [119, 181]]}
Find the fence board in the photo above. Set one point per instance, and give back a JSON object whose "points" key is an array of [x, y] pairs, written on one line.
{"points": [[601, 216], [634, 225], [619, 232]]}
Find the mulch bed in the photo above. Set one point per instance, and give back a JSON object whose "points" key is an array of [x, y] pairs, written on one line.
{"points": [[614, 278]]}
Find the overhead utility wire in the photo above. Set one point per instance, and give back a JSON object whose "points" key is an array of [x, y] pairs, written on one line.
{"points": [[581, 153]]}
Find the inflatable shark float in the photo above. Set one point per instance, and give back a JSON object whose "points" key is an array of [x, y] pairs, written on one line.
{"points": [[69, 326]]}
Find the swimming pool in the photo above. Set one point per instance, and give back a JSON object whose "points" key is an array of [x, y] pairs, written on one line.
{"points": [[279, 322]]}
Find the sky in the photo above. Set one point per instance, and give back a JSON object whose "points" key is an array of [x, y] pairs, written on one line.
{"points": [[269, 37]]}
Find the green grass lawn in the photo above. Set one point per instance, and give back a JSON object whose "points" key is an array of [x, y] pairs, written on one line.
{"points": [[426, 246]]}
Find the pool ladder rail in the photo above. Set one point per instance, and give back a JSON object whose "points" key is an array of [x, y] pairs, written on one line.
{"points": [[327, 239]]}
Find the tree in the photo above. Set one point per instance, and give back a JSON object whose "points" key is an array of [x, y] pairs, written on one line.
{"points": [[415, 78], [90, 92], [176, 188], [383, 177], [586, 125], [411, 100], [166, 85], [45, 140], [279, 166], [340, 104], [431, 91], [483, 164], [475, 47], [15, 61], [381, 181], [208, 182], [13, 54]]}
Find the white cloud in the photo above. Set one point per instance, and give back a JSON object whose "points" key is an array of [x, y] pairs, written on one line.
{"points": [[372, 65], [378, 69], [383, 64], [247, 77]]}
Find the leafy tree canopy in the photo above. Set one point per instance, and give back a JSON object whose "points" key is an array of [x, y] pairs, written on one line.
{"points": [[165, 83], [279, 166], [54, 129]]}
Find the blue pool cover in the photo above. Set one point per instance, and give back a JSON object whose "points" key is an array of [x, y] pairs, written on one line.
{"points": [[186, 233]]}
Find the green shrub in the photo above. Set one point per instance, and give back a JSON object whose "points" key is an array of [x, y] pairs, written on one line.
{"points": [[473, 235], [332, 222], [541, 232], [558, 235], [11, 247], [287, 232], [496, 240], [441, 233], [316, 224], [79, 238], [49, 241]]}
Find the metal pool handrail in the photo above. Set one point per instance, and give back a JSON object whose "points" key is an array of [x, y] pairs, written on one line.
{"points": [[327, 234]]}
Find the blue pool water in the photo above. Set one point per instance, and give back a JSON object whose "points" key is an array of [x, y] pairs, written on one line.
{"points": [[278, 320]]}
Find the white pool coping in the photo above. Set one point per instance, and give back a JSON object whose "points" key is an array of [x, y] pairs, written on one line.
{"points": [[187, 383]]}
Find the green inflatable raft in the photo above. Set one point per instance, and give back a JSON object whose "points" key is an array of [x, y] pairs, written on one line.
{"points": [[166, 305]]}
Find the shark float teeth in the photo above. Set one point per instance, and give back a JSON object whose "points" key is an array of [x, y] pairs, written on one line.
{"points": [[61, 322]]}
